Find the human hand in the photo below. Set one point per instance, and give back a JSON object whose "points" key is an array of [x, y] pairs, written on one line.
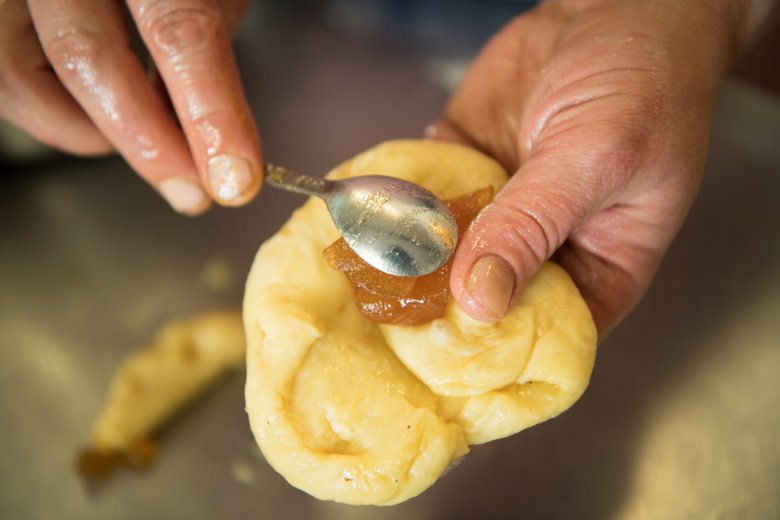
{"points": [[69, 78], [601, 109]]}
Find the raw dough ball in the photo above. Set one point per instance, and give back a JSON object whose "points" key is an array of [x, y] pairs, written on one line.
{"points": [[355, 412]]}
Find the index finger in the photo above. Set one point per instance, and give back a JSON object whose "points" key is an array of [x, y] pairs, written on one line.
{"points": [[189, 44]]}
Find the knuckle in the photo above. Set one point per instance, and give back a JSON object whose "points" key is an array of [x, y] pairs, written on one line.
{"points": [[611, 149], [619, 160], [72, 49], [177, 29], [529, 228]]}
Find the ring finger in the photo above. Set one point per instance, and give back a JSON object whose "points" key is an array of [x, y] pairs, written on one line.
{"points": [[87, 45]]}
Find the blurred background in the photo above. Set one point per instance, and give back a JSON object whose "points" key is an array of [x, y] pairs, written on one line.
{"points": [[683, 413]]}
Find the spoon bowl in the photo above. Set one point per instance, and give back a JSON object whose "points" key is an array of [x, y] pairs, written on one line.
{"points": [[394, 225]]}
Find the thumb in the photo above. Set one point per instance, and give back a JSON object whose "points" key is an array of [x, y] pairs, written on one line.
{"points": [[524, 225]]}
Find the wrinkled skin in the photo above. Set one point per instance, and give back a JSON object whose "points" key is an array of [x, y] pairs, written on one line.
{"points": [[601, 110]]}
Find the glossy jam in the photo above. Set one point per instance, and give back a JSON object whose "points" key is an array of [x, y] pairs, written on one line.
{"points": [[95, 465], [397, 300]]}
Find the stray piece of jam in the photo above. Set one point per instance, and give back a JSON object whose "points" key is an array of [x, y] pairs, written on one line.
{"points": [[96, 465], [401, 300]]}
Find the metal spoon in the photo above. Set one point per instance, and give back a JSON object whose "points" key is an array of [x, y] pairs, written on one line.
{"points": [[395, 225]]}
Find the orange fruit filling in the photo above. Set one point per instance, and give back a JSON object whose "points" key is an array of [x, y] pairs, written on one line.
{"points": [[401, 300], [96, 465]]}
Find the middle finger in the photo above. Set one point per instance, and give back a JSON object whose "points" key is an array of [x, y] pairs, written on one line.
{"points": [[189, 43]]}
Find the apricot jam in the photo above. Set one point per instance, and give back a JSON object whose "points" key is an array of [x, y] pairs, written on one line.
{"points": [[400, 300], [96, 465]]}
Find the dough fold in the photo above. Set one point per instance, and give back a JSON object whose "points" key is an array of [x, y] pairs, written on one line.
{"points": [[360, 413]]}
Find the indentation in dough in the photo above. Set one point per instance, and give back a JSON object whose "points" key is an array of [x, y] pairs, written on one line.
{"points": [[350, 411], [459, 356]]}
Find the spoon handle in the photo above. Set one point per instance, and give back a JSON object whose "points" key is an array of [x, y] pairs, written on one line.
{"points": [[280, 177]]}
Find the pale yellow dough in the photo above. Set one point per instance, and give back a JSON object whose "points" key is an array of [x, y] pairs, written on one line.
{"points": [[154, 382], [355, 412]]}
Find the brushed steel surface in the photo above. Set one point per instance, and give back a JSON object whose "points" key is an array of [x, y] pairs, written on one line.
{"points": [[680, 421]]}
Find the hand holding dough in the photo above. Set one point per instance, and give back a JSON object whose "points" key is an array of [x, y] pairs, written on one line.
{"points": [[361, 413]]}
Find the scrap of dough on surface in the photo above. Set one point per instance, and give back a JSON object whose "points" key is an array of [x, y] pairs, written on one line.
{"points": [[157, 380]]}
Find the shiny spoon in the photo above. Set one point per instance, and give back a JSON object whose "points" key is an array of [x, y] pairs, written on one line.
{"points": [[395, 225]]}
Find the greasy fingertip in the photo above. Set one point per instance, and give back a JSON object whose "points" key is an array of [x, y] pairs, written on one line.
{"points": [[232, 179], [487, 289], [185, 195]]}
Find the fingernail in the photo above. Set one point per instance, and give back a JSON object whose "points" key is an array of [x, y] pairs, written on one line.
{"points": [[430, 131], [230, 177], [491, 283], [185, 195]]}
